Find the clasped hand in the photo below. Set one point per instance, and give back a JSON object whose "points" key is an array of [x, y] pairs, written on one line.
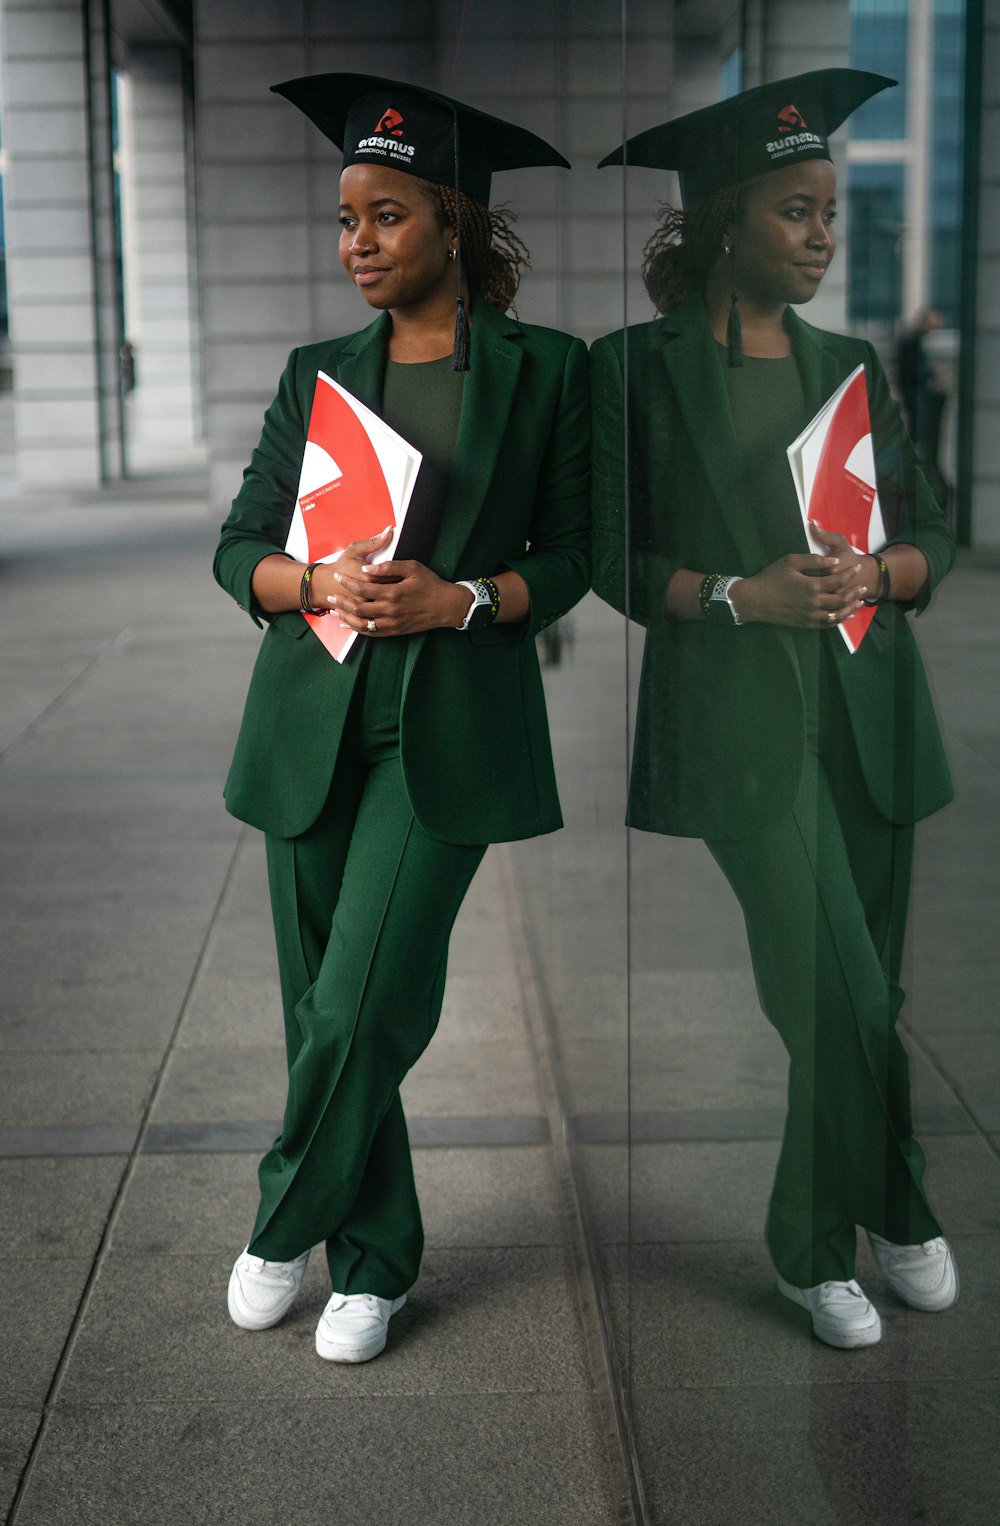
{"points": [[391, 598], [808, 590]]}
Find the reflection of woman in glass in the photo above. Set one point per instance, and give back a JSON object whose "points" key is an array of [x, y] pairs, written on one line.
{"points": [[379, 781], [804, 767]]}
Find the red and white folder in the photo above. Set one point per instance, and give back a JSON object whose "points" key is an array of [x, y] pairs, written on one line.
{"points": [[833, 467], [357, 478]]}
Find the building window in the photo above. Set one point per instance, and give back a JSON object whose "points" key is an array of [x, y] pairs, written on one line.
{"points": [[874, 270]]}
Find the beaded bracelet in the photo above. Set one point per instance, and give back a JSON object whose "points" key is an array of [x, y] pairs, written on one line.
{"points": [[705, 592], [304, 590], [494, 593]]}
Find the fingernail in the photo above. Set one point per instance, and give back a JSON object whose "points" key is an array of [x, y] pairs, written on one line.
{"points": [[337, 577]]}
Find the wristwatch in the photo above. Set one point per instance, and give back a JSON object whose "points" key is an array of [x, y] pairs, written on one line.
{"points": [[720, 599], [482, 610]]}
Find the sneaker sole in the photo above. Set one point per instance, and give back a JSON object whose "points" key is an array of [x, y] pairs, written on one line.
{"points": [[252, 1319], [835, 1334], [330, 1351]]}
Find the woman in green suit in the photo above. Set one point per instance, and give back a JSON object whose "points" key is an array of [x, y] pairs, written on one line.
{"points": [[802, 765], [378, 782]]}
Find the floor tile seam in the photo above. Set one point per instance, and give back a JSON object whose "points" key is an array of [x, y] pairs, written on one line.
{"points": [[114, 1210], [371, 1396], [92, 1152], [778, 1385], [756, 1239], [93, 775], [978, 1128], [537, 1249], [109, 644], [49, 1052], [593, 1316]]}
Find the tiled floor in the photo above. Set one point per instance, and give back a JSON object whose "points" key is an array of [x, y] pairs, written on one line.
{"points": [[141, 1073]]}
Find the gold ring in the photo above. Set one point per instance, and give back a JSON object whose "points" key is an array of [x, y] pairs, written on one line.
{"points": [[372, 627], [829, 615]]}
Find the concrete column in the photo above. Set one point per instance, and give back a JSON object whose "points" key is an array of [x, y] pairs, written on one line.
{"points": [[108, 297], [919, 133], [986, 391], [160, 302], [64, 429]]}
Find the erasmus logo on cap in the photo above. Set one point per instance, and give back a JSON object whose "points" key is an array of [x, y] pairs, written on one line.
{"points": [[390, 121], [790, 116], [389, 149]]}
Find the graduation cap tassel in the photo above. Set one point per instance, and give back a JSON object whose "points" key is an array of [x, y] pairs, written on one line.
{"points": [[460, 354], [734, 328], [734, 335], [463, 339]]}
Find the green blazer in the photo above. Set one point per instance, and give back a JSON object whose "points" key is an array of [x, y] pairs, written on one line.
{"points": [[475, 745], [720, 729]]}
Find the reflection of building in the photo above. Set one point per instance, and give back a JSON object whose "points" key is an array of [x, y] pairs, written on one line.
{"points": [[905, 161], [265, 230]]}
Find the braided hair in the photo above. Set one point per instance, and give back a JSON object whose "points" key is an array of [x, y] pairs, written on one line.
{"points": [[686, 244], [493, 256]]}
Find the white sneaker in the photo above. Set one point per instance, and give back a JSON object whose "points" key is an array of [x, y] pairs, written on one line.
{"points": [[262, 1292], [353, 1326], [841, 1314], [924, 1276]]}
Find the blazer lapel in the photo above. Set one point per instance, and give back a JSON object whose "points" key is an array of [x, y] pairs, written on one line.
{"points": [[694, 364], [487, 398], [819, 366], [362, 369]]}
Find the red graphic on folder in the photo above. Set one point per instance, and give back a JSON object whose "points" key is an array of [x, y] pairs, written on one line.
{"points": [[357, 477], [833, 466]]}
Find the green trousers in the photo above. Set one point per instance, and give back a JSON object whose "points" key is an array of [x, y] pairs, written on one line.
{"points": [[824, 897], [363, 906]]}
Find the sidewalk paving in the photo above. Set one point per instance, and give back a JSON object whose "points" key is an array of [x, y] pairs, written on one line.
{"points": [[142, 1072]]}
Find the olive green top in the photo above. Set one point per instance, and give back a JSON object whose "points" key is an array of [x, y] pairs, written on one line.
{"points": [[769, 412], [422, 402]]}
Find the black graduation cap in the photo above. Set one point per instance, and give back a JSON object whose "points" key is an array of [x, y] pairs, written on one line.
{"points": [[385, 121], [782, 122]]}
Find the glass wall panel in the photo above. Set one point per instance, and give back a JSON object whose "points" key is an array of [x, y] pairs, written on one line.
{"points": [[736, 1410]]}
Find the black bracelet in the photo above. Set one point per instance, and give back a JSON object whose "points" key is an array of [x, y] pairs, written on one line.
{"points": [[305, 588], [884, 581]]}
